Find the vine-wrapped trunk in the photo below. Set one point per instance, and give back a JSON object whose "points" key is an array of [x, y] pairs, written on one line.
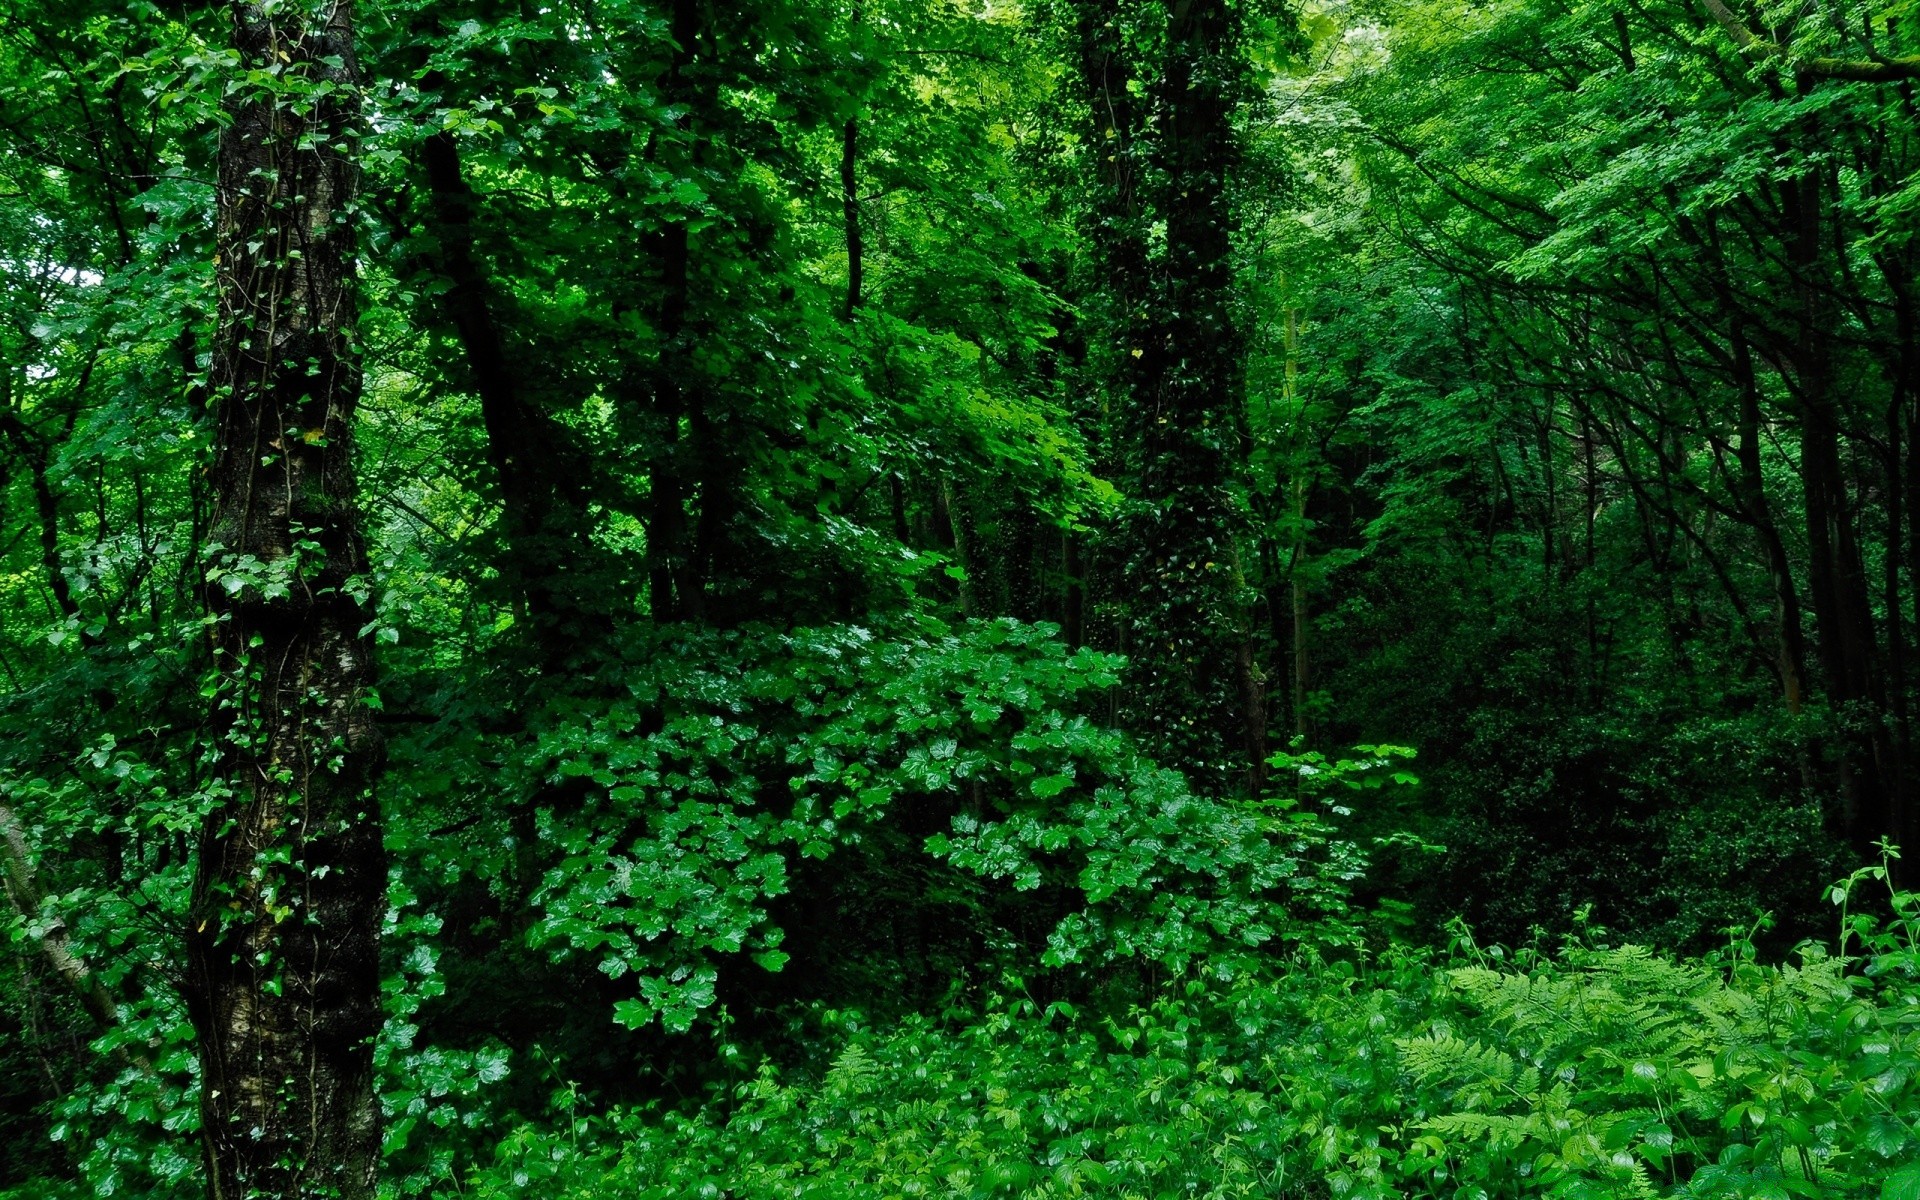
{"points": [[283, 944], [1195, 691]]}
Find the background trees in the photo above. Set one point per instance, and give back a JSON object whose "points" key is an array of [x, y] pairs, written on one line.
{"points": [[874, 507], [1664, 271]]}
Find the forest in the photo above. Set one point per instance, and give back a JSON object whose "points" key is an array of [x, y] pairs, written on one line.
{"points": [[1129, 599]]}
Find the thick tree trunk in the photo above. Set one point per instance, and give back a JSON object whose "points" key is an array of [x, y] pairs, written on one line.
{"points": [[1115, 291], [1172, 365], [1903, 535], [283, 983], [1194, 690]]}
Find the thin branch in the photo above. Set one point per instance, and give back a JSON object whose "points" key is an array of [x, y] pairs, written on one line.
{"points": [[27, 899]]}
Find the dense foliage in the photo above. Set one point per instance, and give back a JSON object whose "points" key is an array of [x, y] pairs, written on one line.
{"points": [[1595, 1072], [959, 597]]}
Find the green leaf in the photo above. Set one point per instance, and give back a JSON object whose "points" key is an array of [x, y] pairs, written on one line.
{"points": [[1903, 1184], [1886, 1136]]}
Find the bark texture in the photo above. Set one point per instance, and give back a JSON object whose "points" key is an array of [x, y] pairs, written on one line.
{"points": [[283, 954]]}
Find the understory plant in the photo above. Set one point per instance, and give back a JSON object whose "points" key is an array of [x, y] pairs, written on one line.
{"points": [[1469, 1073]]}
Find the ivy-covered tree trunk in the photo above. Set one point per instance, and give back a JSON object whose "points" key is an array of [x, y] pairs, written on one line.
{"points": [[1114, 297], [674, 591], [1195, 692], [289, 893]]}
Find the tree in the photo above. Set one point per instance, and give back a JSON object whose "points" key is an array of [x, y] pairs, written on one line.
{"points": [[1174, 364], [284, 971]]}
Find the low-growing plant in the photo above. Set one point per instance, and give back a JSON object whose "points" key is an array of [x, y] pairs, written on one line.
{"points": [[1470, 1073]]}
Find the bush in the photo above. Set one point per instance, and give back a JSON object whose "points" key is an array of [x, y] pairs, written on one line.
{"points": [[1465, 1073]]}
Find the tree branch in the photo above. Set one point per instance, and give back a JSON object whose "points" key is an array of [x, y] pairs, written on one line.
{"points": [[24, 893], [1864, 70]]}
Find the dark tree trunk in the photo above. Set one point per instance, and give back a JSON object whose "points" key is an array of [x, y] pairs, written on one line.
{"points": [[1837, 581], [283, 955], [1073, 619], [1115, 289], [38, 457], [672, 590], [1903, 531], [1750, 485], [521, 447], [1119, 316], [1194, 690]]}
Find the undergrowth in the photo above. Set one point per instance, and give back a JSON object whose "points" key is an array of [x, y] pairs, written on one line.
{"points": [[1466, 1073]]}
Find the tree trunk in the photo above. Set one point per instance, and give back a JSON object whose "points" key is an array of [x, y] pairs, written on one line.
{"points": [[850, 213], [1194, 685], [1750, 484], [283, 954], [1115, 300], [674, 593], [1903, 537], [521, 446], [27, 899], [1837, 578]]}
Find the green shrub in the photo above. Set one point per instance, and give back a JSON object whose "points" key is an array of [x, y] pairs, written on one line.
{"points": [[1467, 1074]]}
